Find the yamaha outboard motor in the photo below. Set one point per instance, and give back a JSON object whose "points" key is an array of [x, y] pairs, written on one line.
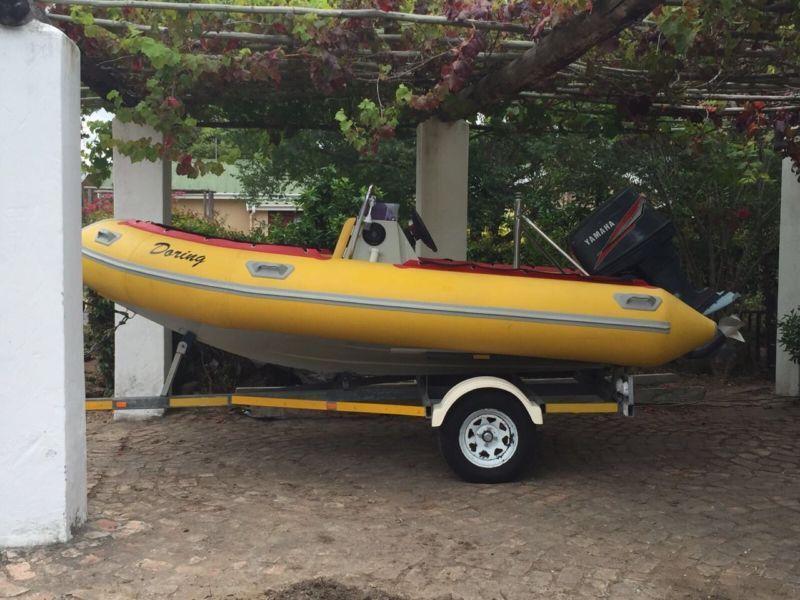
{"points": [[626, 236]]}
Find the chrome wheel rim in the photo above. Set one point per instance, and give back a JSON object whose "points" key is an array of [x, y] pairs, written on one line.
{"points": [[488, 438]]}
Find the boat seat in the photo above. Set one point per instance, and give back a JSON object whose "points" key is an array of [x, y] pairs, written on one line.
{"points": [[344, 237]]}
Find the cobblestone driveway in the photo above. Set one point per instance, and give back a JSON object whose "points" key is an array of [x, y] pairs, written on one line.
{"points": [[687, 501]]}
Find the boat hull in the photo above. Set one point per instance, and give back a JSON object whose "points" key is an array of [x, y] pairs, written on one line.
{"points": [[338, 356], [308, 310]]}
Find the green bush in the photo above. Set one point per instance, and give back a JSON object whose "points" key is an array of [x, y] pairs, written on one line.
{"points": [[98, 330], [215, 228], [325, 207], [98, 342], [789, 328]]}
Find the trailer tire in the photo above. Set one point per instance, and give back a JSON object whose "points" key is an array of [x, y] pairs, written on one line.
{"points": [[487, 437]]}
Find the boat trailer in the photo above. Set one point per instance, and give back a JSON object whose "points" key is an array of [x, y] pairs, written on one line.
{"points": [[486, 422]]}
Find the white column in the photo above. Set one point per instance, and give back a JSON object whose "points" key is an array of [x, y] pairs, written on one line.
{"points": [[787, 373], [42, 419], [142, 349], [442, 162]]}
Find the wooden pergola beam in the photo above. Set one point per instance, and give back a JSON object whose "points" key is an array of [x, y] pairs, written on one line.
{"points": [[325, 13], [566, 43]]}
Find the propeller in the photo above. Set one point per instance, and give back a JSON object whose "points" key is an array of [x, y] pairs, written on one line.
{"points": [[730, 327]]}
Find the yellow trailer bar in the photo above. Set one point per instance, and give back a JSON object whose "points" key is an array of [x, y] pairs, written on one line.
{"points": [[198, 401], [375, 408], [95, 404], [158, 402], [581, 407], [406, 410]]}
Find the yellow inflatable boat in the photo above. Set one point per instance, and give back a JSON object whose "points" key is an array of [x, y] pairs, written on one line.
{"points": [[371, 306]]}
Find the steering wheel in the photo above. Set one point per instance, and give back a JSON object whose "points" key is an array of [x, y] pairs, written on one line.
{"points": [[420, 232]]}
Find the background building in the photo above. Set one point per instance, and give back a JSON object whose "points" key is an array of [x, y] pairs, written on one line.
{"points": [[210, 196]]}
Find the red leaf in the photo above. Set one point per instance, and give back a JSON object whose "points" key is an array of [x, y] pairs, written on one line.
{"points": [[385, 132], [386, 5], [184, 165], [172, 102]]}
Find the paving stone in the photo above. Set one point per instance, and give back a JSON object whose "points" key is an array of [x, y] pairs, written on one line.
{"points": [[20, 571], [130, 528], [55, 569], [569, 577], [149, 564], [9, 589], [106, 524], [89, 559]]}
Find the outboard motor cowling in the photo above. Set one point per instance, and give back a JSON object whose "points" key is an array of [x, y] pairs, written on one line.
{"points": [[626, 236]]}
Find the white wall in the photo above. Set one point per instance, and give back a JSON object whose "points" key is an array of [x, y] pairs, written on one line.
{"points": [[142, 349], [787, 373], [42, 422], [442, 163]]}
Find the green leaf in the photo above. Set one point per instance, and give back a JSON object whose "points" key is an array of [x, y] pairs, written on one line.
{"points": [[403, 94], [81, 15], [158, 54]]}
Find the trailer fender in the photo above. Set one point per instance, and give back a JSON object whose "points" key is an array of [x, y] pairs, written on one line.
{"points": [[439, 410]]}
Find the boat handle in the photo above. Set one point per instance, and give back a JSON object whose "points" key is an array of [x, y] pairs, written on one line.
{"points": [[638, 301], [269, 270], [107, 237]]}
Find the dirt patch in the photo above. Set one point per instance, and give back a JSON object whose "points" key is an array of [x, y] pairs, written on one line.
{"points": [[322, 588]]}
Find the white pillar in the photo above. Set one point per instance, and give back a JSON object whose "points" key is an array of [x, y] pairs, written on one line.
{"points": [[142, 349], [42, 419], [442, 162], [787, 373]]}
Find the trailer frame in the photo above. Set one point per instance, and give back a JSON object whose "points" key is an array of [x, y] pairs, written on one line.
{"points": [[486, 422]]}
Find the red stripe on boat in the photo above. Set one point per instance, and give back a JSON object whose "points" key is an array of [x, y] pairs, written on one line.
{"points": [[433, 264], [180, 234], [463, 266]]}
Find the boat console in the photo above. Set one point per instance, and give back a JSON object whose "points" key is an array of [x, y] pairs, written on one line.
{"points": [[378, 237]]}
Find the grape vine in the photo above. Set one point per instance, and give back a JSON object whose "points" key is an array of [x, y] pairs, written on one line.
{"points": [[175, 69]]}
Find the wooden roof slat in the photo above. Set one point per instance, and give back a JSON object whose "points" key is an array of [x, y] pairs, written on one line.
{"points": [[331, 13]]}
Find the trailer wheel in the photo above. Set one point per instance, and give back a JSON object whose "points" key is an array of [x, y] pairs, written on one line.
{"points": [[487, 437]]}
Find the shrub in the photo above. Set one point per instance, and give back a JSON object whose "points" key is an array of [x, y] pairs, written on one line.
{"points": [[98, 341], [214, 228], [789, 328]]}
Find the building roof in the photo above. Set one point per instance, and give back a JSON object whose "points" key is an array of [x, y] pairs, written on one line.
{"points": [[227, 184]]}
